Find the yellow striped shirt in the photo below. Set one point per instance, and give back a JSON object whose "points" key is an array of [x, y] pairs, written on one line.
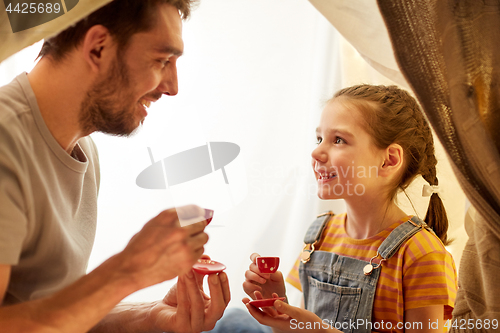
{"points": [[421, 273]]}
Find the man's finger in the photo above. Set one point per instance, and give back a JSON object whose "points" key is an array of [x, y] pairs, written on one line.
{"points": [[197, 303], [183, 315], [225, 287], [199, 279], [217, 305], [195, 228], [197, 254], [197, 241]]}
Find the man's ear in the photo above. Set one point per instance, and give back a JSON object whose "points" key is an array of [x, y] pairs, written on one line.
{"points": [[393, 160], [97, 45]]}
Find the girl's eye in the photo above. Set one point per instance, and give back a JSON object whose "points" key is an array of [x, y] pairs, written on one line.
{"points": [[318, 140], [339, 140]]}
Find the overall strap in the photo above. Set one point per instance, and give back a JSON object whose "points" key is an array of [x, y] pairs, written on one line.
{"points": [[393, 242], [313, 235], [399, 235]]}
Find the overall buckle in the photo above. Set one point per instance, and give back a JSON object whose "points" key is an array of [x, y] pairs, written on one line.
{"points": [[368, 269], [305, 256]]}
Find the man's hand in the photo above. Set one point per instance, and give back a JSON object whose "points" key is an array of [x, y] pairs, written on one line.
{"points": [[160, 251], [163, 250], [186, 308]]}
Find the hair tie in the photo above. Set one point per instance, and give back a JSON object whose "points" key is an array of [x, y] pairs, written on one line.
{"points": [[429, 190]]}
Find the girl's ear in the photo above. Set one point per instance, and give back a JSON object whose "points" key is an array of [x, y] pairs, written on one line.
{"points": [[393, 160], [97, 45]]}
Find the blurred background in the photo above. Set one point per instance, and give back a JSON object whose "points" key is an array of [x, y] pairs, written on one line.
{"points": [[256, 73]]}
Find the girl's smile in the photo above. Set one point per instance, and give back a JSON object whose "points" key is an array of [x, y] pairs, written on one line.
{"points": [[346, 161], [326, 178]]}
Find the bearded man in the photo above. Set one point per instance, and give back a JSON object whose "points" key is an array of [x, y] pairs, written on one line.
{"points": [[100, 74]]}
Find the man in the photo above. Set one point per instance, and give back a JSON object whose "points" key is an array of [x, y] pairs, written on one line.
{"points": [[98, 75]]}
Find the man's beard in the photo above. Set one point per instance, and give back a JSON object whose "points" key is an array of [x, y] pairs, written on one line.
{"points": [[108, 106]]}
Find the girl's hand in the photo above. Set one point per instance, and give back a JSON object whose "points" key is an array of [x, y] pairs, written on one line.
{"points": [[287, 318], [265, 283]]}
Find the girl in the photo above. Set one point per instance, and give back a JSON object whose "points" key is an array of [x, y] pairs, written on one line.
{"points": [[373, 268]]}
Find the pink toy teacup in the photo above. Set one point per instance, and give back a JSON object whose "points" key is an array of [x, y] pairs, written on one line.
{"points": [[268, 264]]}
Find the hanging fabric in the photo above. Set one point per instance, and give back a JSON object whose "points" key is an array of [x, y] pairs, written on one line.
{"points": [[448, 52]]}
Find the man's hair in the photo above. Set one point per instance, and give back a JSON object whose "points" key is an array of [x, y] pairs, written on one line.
{"points": [[122, 18]]}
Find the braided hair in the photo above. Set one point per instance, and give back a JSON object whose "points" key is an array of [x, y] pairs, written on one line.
{"points": [[392, 115]]}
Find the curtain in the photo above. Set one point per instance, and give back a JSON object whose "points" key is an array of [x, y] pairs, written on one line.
{"points": [[447, 51], [444, 50]]}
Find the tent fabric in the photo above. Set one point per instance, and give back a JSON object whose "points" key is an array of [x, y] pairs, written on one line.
{"points": [[447, 51], [360, 23], [13, 42]]}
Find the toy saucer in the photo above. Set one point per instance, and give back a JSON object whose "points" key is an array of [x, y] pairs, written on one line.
{"points": [[206, 266], [267, 302]]}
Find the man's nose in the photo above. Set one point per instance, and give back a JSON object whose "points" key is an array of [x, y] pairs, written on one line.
{"points": [[168, 85]]}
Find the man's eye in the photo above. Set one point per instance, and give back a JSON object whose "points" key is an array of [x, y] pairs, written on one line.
{"points": [[163, 62]]}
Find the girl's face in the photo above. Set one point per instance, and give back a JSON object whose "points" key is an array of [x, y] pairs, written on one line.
{"points": [[346, 162]]}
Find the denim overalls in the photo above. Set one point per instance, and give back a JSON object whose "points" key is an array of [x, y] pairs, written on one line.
{"points": [[340, 290]]}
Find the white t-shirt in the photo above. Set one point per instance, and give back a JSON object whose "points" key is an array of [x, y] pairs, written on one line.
{"points": [[48, 199]]}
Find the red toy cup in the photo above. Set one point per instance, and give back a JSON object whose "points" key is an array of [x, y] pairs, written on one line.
{"points": [[268, 264]]}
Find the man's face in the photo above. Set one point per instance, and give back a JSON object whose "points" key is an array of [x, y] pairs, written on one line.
{"points": [[141, 74]]}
